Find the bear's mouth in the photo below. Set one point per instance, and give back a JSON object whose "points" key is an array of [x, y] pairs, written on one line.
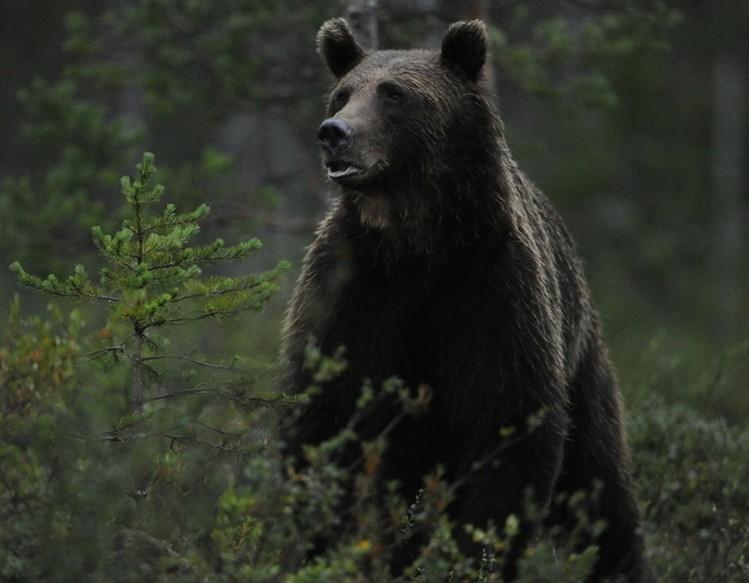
{"points": [[338, 169]]}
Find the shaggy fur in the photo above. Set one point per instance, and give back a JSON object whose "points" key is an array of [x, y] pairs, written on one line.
{"points": [[441, 264]]}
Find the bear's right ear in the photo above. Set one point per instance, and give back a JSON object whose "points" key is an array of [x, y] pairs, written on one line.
{"points": [[336, 45]]}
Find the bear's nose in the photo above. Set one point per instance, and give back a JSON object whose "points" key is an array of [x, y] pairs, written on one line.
{"points": [[334, 135]]}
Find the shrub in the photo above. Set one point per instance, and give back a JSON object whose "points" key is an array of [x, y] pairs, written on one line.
{"points": [[694, 479]]}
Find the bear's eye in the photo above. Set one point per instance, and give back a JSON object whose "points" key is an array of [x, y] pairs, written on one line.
{"points": [[341, 99], [392, 94]]}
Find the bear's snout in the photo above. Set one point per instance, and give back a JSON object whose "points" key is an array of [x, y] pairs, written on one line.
{"points": [[334, 135]]}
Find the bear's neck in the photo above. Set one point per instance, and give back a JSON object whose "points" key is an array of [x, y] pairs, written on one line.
{"points": [[428, 224]]}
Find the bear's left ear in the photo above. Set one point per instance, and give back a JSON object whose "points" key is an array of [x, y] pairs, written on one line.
{"points": [[336, 45], [464, 47]]}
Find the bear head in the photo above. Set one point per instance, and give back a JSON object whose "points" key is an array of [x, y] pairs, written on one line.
{"points": [[406, 126]]}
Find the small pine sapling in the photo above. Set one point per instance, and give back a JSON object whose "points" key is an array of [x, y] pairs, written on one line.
{"points": [[153, 278]]}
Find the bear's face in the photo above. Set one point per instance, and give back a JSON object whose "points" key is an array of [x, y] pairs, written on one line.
{"points": [[393, 116], [373, 121]]}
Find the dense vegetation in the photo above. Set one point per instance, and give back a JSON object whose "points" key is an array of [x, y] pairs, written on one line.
{"points": [[137, 393]]}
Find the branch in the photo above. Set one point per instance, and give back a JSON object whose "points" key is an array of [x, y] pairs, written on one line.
{"points": [[196, 361], [226, 436], [279, 400]]}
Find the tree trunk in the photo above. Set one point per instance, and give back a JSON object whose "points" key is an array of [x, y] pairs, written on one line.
{"points": [[137, 395], [362, 16], [729, 103]]}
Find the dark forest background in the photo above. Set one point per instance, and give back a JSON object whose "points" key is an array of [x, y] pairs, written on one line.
{"points": [[631, 116]]}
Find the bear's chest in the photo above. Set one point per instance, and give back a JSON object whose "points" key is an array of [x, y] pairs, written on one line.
{"points": [[411, 326]]}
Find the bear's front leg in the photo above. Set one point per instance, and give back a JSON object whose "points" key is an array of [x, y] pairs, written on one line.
{"points": [[507, 474]]}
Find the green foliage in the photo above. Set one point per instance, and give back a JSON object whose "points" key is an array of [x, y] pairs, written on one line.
{"points": [[223, 29], [152, 278], [33, 366], [693, 475], [186, 424], [88, 146], [367, 529], [679, 370], [569, 63], [201, 56], [36, 366], [203, 509], [130, 71], [73, 126]]}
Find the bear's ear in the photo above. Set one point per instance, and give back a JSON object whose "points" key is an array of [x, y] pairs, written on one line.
{"points": [[336, 45], [464, 47]]}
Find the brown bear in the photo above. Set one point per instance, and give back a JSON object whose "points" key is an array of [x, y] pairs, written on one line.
{"points": [[441, 264]]}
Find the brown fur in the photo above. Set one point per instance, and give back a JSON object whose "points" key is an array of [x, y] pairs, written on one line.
{"points": [[440, 263]]}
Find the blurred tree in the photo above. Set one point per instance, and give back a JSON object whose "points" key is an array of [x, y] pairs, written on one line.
{"points": [[362, 17], [135, 72], [729, 154], [36, 367]]}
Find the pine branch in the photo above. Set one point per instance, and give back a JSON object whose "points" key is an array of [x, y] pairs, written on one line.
{"points": [[75, 286]]}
